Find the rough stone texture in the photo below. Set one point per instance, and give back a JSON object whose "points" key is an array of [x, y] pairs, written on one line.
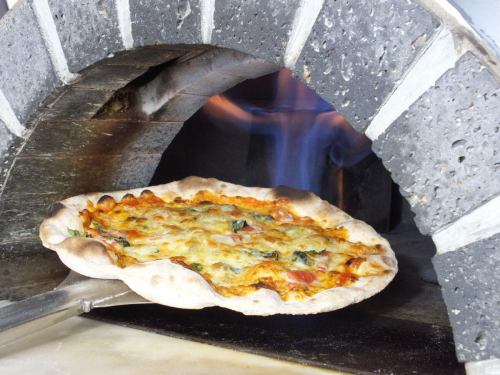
{"points": [[109, 77], [181, 108], [260, 27], [88, 30], [470, 282], [26, 74], [100, 137], [169, 22], [357, 51], [444, 151]]}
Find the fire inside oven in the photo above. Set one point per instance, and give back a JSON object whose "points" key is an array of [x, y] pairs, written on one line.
{"points": [[273, 130]]}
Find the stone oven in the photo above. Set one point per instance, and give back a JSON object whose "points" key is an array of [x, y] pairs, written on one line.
{"points": [[92, 93]]}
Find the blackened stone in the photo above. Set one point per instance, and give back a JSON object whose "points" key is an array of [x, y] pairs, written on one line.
{"points": [[88, 30], [470, 283], [26, 73], [27, 268], [357, 52], [5, 139], [78, 103], [108, 77], [145, 57], [67, 175], [165, 22], [443, 152], [21, 216], [259, 27], [100, 137]]}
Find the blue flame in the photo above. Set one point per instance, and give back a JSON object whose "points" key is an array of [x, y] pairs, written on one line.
{"points": [[306, 131]]}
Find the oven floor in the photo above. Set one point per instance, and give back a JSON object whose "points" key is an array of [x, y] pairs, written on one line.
{"points": [[402, 330]]}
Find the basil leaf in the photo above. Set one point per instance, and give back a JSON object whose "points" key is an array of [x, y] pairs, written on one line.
{"points": [[75, 233], [236, 225], [96, 225], [197, 267], [300, 257], [270, 254], [122, 240]]}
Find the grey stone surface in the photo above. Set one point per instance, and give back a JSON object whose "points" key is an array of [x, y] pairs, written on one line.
{"points": [[470, 283], [181, 108], [109, 77], [258, 27], [77, 103], [444, 151], [88, 30], [165, 22], [100, 137], [358, 50], [26, 73]]}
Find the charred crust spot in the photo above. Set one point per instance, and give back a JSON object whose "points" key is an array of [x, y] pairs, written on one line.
{"points": [[128, 196], [203, 203], [291, 193], [55, 209], [146, 193], [105, 199]]}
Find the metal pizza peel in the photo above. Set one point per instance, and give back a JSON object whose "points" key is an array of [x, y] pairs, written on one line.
{"points": [[75, 295]]}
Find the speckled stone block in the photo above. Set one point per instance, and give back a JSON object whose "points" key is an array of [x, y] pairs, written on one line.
{"points": [[169, 22], [88, 30], [260, 27], [470, 283], [358, 50], [26, 73], [444, 151]]}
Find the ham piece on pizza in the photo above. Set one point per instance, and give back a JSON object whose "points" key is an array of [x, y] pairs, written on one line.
{"points": [[202, 242]]}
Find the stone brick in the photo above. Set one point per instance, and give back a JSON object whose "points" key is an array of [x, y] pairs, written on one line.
{"points": [[357, 52], [259, 27], [444, 151], [470, 283], [26, 73], [88, 30], [77, 104], [109, 77], [100, 137], [165, 22], [181, 107]]}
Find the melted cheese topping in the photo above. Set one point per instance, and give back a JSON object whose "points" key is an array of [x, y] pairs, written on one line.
{"points": [[237, 244]]}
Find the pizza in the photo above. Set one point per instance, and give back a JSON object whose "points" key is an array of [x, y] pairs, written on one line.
{"points": [[202, 242]]}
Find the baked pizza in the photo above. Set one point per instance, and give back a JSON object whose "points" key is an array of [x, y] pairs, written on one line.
{"points": [[203, 242]]}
